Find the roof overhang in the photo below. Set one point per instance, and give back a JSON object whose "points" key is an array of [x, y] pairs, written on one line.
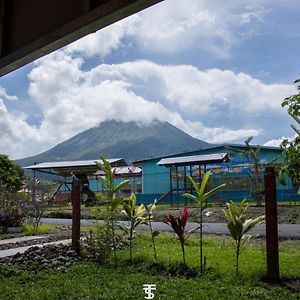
{"points": [[33, 28], [126, 171], [80, 167], [194, 160]]}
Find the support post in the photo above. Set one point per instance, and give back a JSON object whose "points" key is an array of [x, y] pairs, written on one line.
{"points": [[271, 225], [177, 186], [184, 180], [75, 197], [171, 187]]}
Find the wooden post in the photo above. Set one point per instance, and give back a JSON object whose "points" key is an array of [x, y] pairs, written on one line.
{"points": [[171, 187], [177, 186], [271, 225], [75, 197], [184, 180]]}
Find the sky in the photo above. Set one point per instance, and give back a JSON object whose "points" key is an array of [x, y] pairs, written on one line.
{"points": [[217, 70]]}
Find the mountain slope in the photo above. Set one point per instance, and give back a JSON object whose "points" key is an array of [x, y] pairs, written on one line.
{"points": [[113, 139]]}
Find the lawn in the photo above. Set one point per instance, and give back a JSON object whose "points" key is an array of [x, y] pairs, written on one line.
{"points": [[88, 280]]}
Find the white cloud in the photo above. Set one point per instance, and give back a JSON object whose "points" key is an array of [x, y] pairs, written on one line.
{"points": [[106, 40], [188, 89], [4, 94], [277, 142], [174, 26], [72, 100], [17, 137]]}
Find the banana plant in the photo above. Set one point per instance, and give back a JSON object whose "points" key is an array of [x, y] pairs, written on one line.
{"points": [[239, 226], [136, 215], [111, 195], [201, 198], [154, 233], [178, 225]]}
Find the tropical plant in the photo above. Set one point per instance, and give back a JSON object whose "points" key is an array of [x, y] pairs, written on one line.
{"points": [[239, 226], [178, 225], [201, 198], [112, 198], [252, 153], [291, 148], [136, 215], [154, 233], [97, 244]]}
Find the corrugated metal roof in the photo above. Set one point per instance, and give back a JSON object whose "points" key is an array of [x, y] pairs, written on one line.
{"points": [[77, 167], [127, 170], [137, 162], [194, 160]]}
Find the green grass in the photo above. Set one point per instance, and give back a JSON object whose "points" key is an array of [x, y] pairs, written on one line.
{"points": [[87, 280], [42, 229], [28, 230]]}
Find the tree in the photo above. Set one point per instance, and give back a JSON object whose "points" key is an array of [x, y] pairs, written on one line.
{"points": [[291, 148], [11, 175]]}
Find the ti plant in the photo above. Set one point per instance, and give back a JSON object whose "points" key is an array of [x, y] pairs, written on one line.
{"points": [[178, 225], [154, 233], [239, 226], [113, 200], [201, 198], [136, 215]]}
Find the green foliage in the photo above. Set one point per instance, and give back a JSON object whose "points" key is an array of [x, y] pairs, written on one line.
{"points": [[12, 212], [252, 155], [201, 198], [154, 233], [291, 148], [135, 215], [239, 226], [97, 245], [11, 175], [88, 280], [111, 196]]}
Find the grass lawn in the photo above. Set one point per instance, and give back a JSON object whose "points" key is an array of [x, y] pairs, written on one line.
{"points": [[28, 230], [88, 280]]}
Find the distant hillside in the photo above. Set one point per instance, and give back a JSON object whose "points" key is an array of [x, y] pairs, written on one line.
{"points": [[114, 139]]}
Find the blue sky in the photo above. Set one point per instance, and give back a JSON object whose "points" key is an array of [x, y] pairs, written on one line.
{"points": [[218, 70]]}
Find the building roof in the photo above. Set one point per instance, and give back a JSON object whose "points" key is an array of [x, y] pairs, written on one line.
{"points": [[65, 168], [207, 148], [194, 160], [123, 171]]}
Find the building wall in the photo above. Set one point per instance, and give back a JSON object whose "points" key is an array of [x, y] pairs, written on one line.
{"points": [[156, 179]]}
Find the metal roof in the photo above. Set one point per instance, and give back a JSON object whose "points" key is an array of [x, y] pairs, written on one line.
{"points": [[123, 171], [137, 162], [194, 160], [78, 167]]}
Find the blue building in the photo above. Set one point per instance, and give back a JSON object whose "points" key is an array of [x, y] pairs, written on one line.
{"points": [[169, 182]]}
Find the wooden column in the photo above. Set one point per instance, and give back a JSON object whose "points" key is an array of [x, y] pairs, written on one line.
{"points": [[75, 197], [271, 225]]}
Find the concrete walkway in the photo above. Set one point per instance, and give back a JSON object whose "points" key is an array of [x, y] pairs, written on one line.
{"points": [[21, 239], [13, 251], [285, 231]]}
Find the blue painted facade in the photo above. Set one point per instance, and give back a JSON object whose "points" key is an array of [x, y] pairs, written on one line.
{"points": [[156, 179]]}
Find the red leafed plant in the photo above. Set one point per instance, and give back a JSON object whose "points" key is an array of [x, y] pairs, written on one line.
{"points": [[178, 225]]}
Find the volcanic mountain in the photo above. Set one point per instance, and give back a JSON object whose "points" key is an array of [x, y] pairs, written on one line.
{"points": [[115, 139]]}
